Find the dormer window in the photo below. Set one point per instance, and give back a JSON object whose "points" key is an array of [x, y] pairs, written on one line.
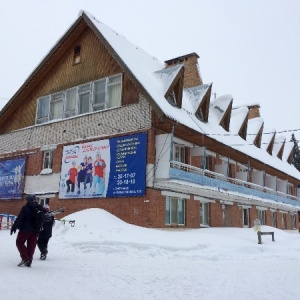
{"points": [[77, 51], [172, 99]]}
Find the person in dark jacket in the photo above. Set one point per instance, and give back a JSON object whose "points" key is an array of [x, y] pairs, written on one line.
{"points": [[28, 233], [45, 235]]}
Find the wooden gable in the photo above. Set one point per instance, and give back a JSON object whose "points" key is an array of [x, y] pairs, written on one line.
{"points": [[243, 130], [225, 121], [58, 72], [271, 144], [174, 92], [203, 109], [258, 137]]}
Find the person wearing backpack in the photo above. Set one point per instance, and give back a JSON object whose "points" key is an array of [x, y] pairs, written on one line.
{"points": [[28, 232], [45, 235]]}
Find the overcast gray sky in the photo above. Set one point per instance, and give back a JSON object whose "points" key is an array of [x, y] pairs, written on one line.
{"points": [[249, 49]]}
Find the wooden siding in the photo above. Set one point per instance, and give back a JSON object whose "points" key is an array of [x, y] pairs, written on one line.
{"points": [[95, 63]]}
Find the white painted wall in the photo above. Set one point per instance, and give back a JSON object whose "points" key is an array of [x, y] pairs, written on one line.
{"points": [[163, 149], [270, 182], [258, 177], [242, 176], [42, 184], [221, 169]]}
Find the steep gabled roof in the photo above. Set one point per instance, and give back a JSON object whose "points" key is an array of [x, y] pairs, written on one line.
{"points": [[288, 152], [239, 121], [200, 100], [279, 146], [268, 138], [255, 129], [142, 69], [172, 79], [221, 109]]}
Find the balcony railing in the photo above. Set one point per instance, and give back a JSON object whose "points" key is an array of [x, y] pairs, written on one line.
{"points": [[218, 176]]}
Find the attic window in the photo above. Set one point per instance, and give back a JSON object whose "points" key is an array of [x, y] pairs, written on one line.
{"points": [[172, 98], [77, 51]]}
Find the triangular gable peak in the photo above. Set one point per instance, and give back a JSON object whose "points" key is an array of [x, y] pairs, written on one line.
{"points": [[255, 130], [200, 100], [268, 139], [221, 107], [239, 121], [172, 79], [288, 152], [279, 146]]}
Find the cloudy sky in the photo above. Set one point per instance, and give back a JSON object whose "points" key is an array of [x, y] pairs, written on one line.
{"points": [[249, 49]]}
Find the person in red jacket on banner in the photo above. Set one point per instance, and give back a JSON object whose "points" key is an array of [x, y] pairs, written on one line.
{"points": [[99, 175], [72, 178]]}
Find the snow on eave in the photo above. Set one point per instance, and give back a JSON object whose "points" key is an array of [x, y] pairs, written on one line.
{"points": [[288, 148], [238, 117], [167, 75], [196, 94], [267, 137], [254, 126], [219, 106], [279, 142]]}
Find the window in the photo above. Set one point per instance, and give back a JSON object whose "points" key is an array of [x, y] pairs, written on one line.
{"points": [[246, 217], [262, 217], [43, 110], [94, 96], [293, 222], [179, 153], [84, 92], [76, 59], [204, 214], [43, 201], [70, 109], [274, 219], [47, 159], [284, 223], [56, 106], [99, 95], [172, 98], [114, 91], [175, 211]]}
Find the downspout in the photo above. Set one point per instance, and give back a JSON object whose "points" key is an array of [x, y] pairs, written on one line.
{"points": [[228, 166], [248, 171], [204, 159], [171, 150]]}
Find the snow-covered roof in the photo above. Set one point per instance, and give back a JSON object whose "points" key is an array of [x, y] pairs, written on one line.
{"points": [[148, 70], [151, 74]]}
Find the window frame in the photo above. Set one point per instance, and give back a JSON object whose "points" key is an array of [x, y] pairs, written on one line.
{"points": [[246, 221], [204, 214], [175, 202], [50, 162], [50, 100]]}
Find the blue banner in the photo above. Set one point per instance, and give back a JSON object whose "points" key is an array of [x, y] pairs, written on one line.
{"points": [[12, 178], [107, 168]]}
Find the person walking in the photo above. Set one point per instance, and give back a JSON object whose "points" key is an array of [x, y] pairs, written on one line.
{"points": [[45, 235], [28, 233]]}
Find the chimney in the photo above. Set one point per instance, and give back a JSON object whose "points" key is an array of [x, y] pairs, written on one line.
{"points": [[253, 111], [192, 75]]}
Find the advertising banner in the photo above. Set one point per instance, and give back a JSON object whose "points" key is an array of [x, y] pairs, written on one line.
{"points": [[12, 178], [113, 167]]}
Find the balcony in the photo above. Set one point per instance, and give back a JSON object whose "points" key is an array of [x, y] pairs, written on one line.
{"points": [[217, 186]]}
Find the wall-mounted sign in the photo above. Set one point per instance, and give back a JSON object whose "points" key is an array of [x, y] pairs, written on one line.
{"points": [[12, 178], [108, 168]]}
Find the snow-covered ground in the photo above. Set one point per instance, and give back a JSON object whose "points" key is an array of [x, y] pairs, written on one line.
{"points": [[102, 257]]}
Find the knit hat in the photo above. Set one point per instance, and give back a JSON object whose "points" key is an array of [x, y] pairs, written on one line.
{"points": [[30, 198]]}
